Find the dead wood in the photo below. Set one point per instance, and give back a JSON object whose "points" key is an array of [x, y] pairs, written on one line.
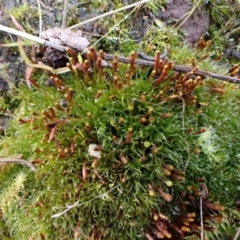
{"points": [[61, 38], [178, 68]]}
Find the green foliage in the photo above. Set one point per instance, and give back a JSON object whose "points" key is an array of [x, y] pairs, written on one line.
{"points": [[117, 194], [224, 24], [20, 11], [26, 15], [155, 5], [139, 130]]}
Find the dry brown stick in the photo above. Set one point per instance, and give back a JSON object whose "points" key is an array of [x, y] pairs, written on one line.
{"points": [[179, 68], [18, 161], [200, 72]]}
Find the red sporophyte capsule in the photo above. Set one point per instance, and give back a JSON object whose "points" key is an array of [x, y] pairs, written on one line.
{"points": [[33, 82], [22, 121], [37, 161], [115, 65], [130, 106], [98, 94], [70, 51], [52, 134], [72, 147], [59, 107], [169, 167], [143, 120], [151, 191], [131, 61], [52, 112], [79, 188], [47, 115], [101, 53], [157, 233], [168, 197], [89, 115], [95, 163], [93, 53], [69, 65], [213, 206], [163, 76], [150, 111], [124, 159], [163, 217], [148, 236], [129, 135], [84, 171], [67, 97], [162, 227], [166, 115], [177, 177], [88, 127], [156, 60], [42, 236], [99, 65]]}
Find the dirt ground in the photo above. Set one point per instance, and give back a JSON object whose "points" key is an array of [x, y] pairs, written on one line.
{"points": [[195, 26]]}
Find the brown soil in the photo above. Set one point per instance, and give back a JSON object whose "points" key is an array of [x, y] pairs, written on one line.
{"points": [[194, 26]]}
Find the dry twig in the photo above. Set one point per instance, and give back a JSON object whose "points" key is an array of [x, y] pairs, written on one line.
{"points": [[18, 161], [178, 68], [82, 48]]}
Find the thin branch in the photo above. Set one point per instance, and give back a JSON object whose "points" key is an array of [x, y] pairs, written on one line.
{"points": [[179, 68], [18, 161]]}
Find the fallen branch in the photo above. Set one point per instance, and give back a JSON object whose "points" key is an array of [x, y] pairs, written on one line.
{"points": [[178, 68], [82, 47]]}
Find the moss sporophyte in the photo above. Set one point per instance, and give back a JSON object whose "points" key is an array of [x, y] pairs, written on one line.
{"points": [[122, 153]]}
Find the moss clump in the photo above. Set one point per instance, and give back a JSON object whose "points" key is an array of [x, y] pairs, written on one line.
{"points": [[114, 149]]}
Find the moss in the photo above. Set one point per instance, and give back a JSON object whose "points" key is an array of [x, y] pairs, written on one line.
{"points": [[26, 15], [139, 131]]}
